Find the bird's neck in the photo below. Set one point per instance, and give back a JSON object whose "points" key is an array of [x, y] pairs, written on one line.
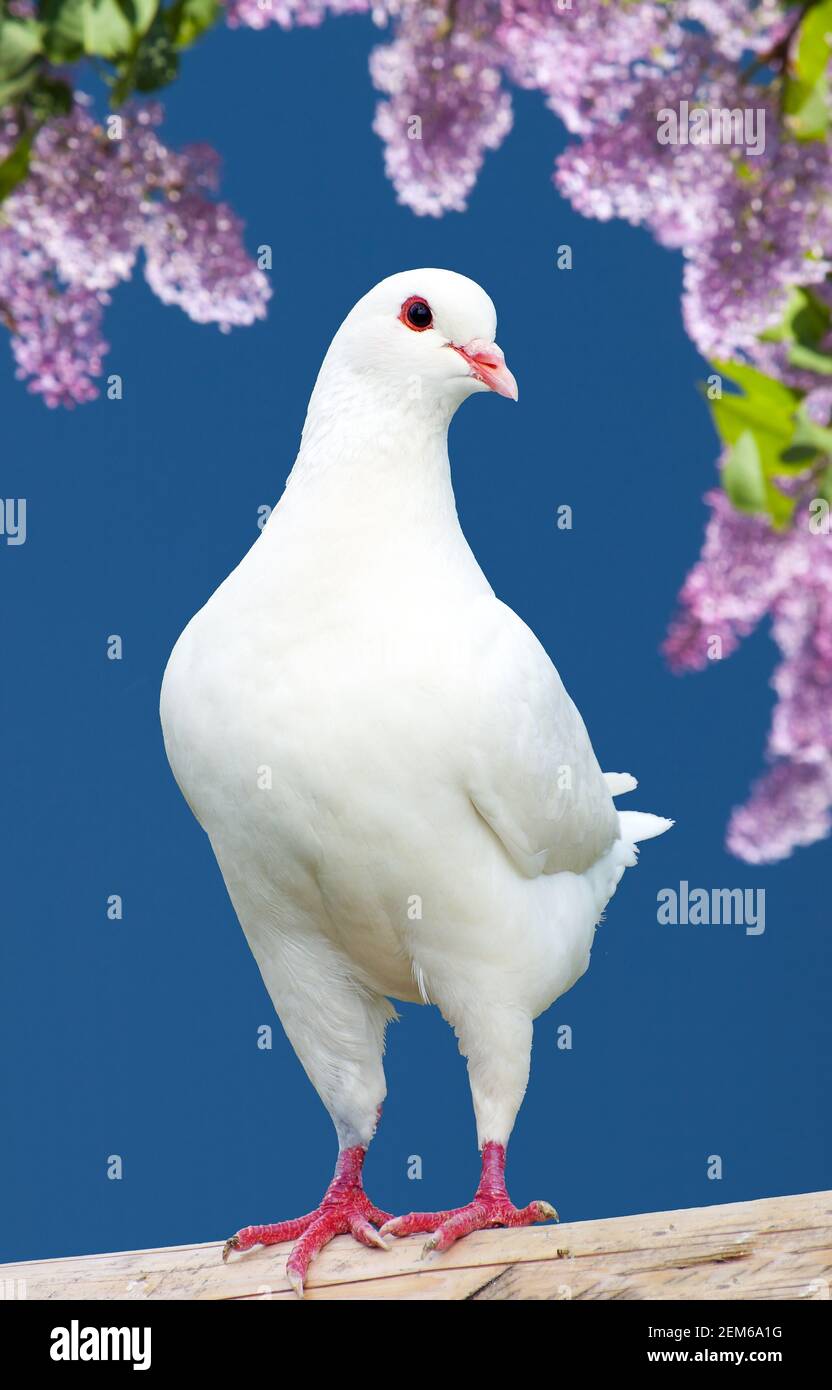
{"points": [[369, 506], [373, 463]]}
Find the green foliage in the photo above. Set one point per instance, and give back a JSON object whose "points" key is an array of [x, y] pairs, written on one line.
{"points": [[22, 79], [743, 477], [20, 41], [810, 437], [188, 19], [824, 485], [807, 320], [765, 425], [63, 24], [107, 30], [766, 407], [21, 46], [48, 96], [16, 165], [136, 43], [806, 88]]}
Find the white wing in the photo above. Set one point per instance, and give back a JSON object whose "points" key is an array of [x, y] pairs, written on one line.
{"points": [[534, 777]]}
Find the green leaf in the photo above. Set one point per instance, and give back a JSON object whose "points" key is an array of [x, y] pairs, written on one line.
{"points": [[107, 31], [806, 91], [157, 64], [766, 412], [807, 108], [16, 87], [766, 409], [153, 63], [758, 386], [809, 435], [814, 42], [49, 97], [743, 477], [187, 19], [64, 29], [141, 13], [810, 359], [824, 485], [779, 507], [806, 320], [20, 41], [14, 168], [734, 415]]}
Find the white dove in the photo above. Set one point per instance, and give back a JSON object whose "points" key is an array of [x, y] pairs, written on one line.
{"points": [[402, 798]]}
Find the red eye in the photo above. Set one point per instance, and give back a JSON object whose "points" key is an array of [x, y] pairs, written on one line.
{"points": [[416, 313]]}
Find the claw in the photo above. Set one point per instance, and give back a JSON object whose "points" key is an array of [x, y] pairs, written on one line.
{"points": [[296, 1281], [547, 1211], [231, 1244], [367, 1233]]}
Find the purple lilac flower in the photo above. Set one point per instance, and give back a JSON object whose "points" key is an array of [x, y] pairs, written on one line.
{"points": [[745, 571], [194, 257], [789, 808], [258, 14], [749, 226], [445, 104], [74, 228], [743, 567], [583, 58], [56, 337]]}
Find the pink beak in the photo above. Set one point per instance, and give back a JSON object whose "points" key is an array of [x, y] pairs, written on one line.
{"points": [[488, 364]]}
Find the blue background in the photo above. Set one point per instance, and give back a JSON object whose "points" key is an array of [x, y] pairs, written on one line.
{"points": [[138, 1037]]}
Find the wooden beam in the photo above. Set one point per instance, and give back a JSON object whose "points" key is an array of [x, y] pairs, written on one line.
{"points": [[778, 1247]]}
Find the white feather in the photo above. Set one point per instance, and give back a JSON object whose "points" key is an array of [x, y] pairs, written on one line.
{"points": [[641, 825], [620, 782]]}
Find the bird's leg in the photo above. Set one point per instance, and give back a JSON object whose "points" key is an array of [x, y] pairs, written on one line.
{"points": [[345, 1210], [497, 1042], [491, 1207]]}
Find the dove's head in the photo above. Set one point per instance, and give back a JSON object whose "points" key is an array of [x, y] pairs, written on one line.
{"points": [[424, 338]]}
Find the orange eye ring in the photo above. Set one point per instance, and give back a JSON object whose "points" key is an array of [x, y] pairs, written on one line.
{"points": [[416, 314]]}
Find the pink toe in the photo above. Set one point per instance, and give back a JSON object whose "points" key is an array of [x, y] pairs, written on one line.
{"points": [[272, 1234], [462, 1223], [319, 1234], [414, 1223], [366, 1233]]}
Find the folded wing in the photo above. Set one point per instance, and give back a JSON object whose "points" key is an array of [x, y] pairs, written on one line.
{"points": [[533, 775]]}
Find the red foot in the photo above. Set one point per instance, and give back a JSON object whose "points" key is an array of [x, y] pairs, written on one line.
{"points": [[346, 1209], [491, 1207]]}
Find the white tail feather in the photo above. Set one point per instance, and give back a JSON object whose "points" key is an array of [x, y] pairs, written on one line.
{"points": [[640, 825], [620, 782]]}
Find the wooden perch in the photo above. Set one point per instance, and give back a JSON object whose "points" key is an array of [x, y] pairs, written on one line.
{"points": [[779, 1247]]}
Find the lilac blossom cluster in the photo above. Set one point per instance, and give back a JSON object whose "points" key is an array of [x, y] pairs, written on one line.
{"points": [[745, 571], [445, 104], [749, 225], [73, 229]]}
